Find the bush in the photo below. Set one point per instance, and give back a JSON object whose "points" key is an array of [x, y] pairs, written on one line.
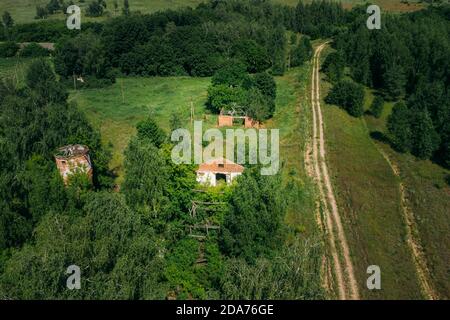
{"points": [[96, 8], [33, 50], [41, 12], [8, 49], [348, 95], [377, 106]]}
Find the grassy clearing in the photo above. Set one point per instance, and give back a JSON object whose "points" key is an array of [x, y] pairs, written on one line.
{"points": [[369, 201], [116, 116], [429, 198]]}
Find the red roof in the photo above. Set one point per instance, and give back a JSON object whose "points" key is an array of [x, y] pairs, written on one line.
{"points": [[220, 166]]}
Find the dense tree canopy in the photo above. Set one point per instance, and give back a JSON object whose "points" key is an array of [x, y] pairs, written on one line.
{"points": [[407, 59], [348, 95]]}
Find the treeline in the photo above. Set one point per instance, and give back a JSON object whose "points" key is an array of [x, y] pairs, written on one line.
{"points": [[198, 41], [407, 59]]}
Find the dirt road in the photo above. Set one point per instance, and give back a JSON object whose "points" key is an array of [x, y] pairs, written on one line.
{"points": [[347, 287]]}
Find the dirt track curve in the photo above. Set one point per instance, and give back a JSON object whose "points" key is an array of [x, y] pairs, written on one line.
{"points": [[347, 287]]}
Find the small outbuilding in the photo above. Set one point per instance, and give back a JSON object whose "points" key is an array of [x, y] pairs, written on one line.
{"points": [[73, 159], [216, 170], [230, 118]]}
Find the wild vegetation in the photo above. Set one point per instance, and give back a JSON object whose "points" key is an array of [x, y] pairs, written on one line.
{"points": [[134, 77]]}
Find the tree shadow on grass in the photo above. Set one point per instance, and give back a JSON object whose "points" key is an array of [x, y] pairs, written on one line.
{"points": [[380, 136]]}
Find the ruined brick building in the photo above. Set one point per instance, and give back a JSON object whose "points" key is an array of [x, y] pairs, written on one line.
{"points": [[73, 159]]}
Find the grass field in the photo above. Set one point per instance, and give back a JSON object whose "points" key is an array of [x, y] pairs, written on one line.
{"points": [[369, 201], [429, 197], [24, 11], [116, 116]]}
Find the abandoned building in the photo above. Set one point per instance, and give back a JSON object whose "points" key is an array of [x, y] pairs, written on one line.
{"points": [[231, 118], [72, 159], [216, 170]]}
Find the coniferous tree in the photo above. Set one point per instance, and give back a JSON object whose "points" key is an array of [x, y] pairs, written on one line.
{"points": [[126, 8], [394, 82], [149, 130], [399, 127], [333, 66], [425, 140], [8, 23], [376, 108]]}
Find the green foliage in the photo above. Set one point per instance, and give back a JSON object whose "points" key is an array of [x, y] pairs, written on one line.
{"points": [[415, 71], [34, 121], [148, 129], [302, 52], [394, 83], [146, 179], [348, 95], [399, 127], [277, 49], [53, 6], [126, 8], [33, 50], [266, 84], [254, 55], [233, 88], [83, 55], [175, 121], [43, 186], [292, 275], [181, 270], [114, 250], [424, 137], [253, 227], [41, 12], [377, 106], [41, 78], [7, 20], [223, 96], [8, 49], [258, 106], [232, 74], [333, 67], [319, 18], [96, 8]]}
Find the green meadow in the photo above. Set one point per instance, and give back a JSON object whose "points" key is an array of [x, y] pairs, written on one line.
{"points": [[428, 196], [115, 110], [368, 197]]}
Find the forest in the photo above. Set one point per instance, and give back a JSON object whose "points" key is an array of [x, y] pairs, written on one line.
{"points": [[134, 242]]}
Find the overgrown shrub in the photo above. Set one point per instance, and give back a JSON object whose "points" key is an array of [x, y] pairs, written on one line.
{"points": [[348, 95], [33, 50], [8, 49]]}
